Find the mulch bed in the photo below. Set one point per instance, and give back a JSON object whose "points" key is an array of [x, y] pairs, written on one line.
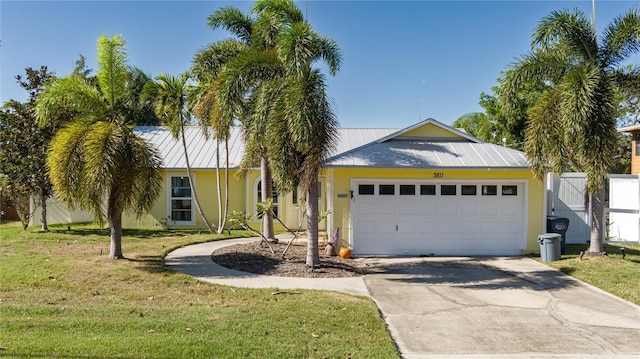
{"points": [[257, 258]]}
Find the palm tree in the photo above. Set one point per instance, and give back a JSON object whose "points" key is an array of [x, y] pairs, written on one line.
{"points": [[572, 124], [169, 94], [209, 63], [97, 159], [287, 101]]}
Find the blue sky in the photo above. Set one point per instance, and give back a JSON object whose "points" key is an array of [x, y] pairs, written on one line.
{"points": [[403, 61]]}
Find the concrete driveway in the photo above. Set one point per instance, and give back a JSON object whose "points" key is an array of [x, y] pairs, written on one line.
{"points": [[498, 307]]}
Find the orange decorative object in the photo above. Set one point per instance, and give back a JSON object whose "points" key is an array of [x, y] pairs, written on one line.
{"points": [[345, 253]]}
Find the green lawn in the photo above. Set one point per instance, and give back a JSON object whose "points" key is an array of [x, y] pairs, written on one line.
{"points": [[610, 273], [61, 297]]}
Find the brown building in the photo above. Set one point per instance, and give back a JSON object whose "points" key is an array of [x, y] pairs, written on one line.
{"points": [[635, 147]]}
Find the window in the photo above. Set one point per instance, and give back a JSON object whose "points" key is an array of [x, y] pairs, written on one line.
{"points": [[509, 190], [274, 194], [386, 189], [181, 204], [489, 190], [448, 190], [407, 190], [366, 189], [637, 139], [468, 190], [427, 190]]}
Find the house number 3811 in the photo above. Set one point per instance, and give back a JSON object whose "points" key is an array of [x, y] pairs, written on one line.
{"points": [[438, 175]]}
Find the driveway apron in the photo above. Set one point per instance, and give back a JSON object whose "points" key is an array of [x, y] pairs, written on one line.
{"points": [[498, 307]]}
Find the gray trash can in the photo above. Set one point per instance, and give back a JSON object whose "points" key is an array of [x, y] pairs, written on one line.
{"points": [[559, 225], [550, 246]]}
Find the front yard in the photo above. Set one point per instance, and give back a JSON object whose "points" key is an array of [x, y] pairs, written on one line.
{"points": [[61, 297], [610, 273]]}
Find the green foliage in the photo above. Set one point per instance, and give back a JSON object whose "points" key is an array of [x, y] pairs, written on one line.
{"points": [[23, 147], [97, 161], [498, 125], [572, 123]]}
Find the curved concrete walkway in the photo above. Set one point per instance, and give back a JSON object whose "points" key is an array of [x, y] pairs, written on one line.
{"points": [[195, 260], [464, 308]]}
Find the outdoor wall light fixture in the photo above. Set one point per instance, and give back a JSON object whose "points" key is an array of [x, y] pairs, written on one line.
{"points": [[351, 191]]}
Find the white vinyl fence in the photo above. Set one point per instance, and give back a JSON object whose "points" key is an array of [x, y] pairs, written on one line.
{"points": [[566, 197]]}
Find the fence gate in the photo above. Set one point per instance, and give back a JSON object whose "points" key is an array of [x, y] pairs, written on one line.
{"points": [[567, 197]]}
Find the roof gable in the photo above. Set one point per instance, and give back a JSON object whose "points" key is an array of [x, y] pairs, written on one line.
{"points": [[431, 129], [430, 144]]}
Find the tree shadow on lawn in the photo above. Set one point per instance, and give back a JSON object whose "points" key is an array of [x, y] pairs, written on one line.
{"points": [[474, 273], [126, 232]]}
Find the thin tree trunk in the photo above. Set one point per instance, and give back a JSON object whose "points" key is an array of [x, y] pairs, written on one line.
{"points": [[267, 191], [218, 189], [313, 253], [115, 224], [192, 184], [597, 227], [226, 186], [43, 199]]}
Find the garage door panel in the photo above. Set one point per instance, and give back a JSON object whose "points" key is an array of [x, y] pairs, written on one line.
{"points": [[468, 209], [447, 208], [365, 208], [389, 208], [385, 227], [407, 227], [426, 208], [409, 208], [366, 226]]}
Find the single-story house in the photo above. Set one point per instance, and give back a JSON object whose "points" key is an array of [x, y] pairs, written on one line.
{"points": [[421, 190]]}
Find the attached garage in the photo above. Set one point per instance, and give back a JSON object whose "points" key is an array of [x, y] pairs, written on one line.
{"points": [[431, 189], [412, 217]]}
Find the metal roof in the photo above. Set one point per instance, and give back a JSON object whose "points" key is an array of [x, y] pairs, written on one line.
{"points": [[355, 147], [202, 151], [430, 153]]}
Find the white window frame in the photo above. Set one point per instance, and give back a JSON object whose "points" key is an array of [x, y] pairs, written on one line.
{"points": [[257, 199], [170, 198]]}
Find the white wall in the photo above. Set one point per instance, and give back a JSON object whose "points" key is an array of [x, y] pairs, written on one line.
{"points": [[624, 193], [58, 213]]}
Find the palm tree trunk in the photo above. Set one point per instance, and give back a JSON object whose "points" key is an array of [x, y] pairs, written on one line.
{"points": [[267, 191], [226, 186], [597, 226], [218, 189], [313, 253], [193, 186], [43, 201], [115, 224]]}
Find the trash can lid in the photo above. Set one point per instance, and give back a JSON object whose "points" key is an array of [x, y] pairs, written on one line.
{"points": [[549, 236], [557, 218]]}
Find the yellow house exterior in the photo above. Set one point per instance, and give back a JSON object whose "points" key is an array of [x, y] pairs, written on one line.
{"points": [[427, 189]]}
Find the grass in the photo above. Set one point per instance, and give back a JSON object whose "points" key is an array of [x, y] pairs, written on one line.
{"points": [[610, 273], [61, 297]]}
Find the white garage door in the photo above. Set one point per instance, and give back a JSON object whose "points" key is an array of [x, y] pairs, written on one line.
{"points": [[443, 218]]}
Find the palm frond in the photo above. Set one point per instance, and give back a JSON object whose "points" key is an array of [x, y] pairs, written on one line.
{"points": [[71, 95], [621, 38], [112, 69], [570, 28], [233, 20], [208, 62]]}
